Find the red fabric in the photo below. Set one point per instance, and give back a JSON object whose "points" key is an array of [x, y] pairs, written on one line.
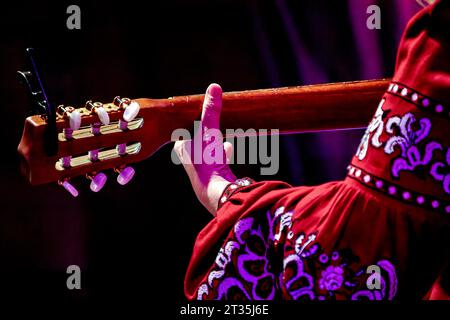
{"points": [[423, 64], [382, 233], [346, 217], [243, 202]]}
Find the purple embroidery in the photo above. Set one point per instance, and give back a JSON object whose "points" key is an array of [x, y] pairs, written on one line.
{"points": [[246, 269], [312, 250], [332, 278], [252, 265], [407, 141], [232, 283], [410, 136], [317, 275], [390, 269], [253, 269], [301, 284], [414, 159], [390, 284], [441, 172], [446, 183], [241, 227], [335, 255], [323, 258]]}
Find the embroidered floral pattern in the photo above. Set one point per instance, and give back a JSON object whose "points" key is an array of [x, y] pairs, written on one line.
{"points": [[317, 275], [407, 140], [409, 137], [263, 259], [332, 278], [388, 285], [297, 283], [241, 269]]}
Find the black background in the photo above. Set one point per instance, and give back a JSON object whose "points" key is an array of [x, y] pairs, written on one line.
{"points": [[137, 239]]}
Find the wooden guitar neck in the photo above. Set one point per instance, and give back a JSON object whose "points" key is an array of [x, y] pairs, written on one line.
{"points": [[332, 106]]}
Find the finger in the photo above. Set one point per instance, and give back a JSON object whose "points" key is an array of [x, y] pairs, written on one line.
{"points": [[212, 106], [228, 147], [182, 150]]}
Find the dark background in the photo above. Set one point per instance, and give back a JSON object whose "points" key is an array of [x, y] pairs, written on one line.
{"points": [[136, 240]]}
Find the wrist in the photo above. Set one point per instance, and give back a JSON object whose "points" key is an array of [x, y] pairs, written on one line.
{"points": [[214, 191]]}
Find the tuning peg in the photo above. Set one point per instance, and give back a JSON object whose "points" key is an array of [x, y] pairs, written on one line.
{"points": [[69, 187], [101, 112], [131, 108], [125, 175], [75, 120], [121, 102], [131, 111], [73, 115], [103, 115], [97, 181]]}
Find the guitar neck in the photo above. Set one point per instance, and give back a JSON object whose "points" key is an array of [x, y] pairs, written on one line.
{"points": [[295, 109], [320, 107]]}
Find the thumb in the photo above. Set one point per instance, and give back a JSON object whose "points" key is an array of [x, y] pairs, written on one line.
{"points": [[212, 106]]}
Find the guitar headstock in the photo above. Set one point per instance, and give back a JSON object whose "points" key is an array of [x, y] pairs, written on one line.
{"points": [[90, 140], [60, 143]]}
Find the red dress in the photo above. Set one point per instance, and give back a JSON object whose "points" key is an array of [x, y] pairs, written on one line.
{"points": [[382, 233]]}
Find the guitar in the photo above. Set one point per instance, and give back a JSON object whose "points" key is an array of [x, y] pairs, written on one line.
{"points": [[98, 137]]}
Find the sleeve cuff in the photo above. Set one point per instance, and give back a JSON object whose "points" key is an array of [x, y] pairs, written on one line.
{"points": [[232, 188]]}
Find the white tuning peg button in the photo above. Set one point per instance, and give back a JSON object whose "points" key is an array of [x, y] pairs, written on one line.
{"points": [[131, 111], [74, 119], [98, 181], [69, 187], [102, 115], [125, 175]]}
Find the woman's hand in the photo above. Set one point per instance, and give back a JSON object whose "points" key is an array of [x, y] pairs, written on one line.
{"points": [[208, 180]]}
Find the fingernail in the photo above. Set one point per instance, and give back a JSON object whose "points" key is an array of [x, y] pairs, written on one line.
{"points": [[214, 90]]}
